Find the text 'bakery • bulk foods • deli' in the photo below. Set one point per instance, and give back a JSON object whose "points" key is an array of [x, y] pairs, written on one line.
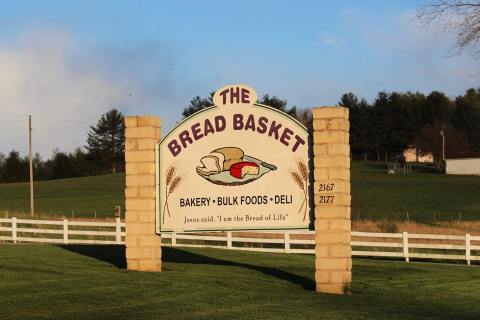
{"points": [[238, 165]]}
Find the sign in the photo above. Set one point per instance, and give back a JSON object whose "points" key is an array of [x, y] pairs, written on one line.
{"points": [[237, 165]]}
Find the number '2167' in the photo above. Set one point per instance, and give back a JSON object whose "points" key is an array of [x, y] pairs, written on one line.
{"points": [[326, 187]]}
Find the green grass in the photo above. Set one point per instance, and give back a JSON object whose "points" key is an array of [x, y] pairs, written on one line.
{"points": [[425, 196], [82, 196], [85, 282]]}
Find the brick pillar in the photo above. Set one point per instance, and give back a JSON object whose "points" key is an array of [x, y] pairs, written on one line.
{"points": [[333, 255], [144, 247]]}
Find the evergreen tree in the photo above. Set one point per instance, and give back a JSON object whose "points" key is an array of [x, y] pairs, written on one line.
{"points": [[106, 141], [466, 116], [197, 104], [278, 104], [15, 168]]}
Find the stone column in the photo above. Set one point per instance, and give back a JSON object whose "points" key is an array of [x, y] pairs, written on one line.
{"points": [[333, 255], [144, 247]]}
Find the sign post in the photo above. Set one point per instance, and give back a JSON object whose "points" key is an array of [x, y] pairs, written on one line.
{"points": [[144, 247], [240, 165], [333, 255]]}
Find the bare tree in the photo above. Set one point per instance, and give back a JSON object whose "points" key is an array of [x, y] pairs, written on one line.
{"points": [[460, 16]]}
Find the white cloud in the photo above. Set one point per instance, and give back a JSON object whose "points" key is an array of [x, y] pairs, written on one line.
{"points": [[416, 58], [331, 41], [37, 78]]}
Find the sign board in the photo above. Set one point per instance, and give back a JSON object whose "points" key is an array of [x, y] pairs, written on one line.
{"points": [[237, 165]]}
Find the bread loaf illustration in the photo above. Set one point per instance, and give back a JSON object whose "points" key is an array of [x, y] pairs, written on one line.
{"points": [[230, 166], [240, 169], [213, 163], [232, 155]]}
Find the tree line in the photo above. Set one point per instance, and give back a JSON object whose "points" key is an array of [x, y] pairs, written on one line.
{"points": [[394, 121], [380, 130], [103, 153]]}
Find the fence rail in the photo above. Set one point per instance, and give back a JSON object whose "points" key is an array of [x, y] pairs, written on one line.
{"points": [[364, 244], [64, 231]]}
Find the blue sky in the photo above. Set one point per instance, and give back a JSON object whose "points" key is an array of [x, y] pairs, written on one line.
{"points": [[67, 62]]}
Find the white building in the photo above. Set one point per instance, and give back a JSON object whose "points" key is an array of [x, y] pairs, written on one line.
{"points": [[467, 166]]}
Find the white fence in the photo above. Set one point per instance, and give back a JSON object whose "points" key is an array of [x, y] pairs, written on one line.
{"points": [[62, 231], [364, 244]]}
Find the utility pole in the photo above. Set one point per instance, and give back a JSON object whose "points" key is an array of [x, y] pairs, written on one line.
{"points": [[32, 208], [442, 133]]}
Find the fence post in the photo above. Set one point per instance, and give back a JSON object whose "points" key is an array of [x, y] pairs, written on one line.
{"points": [[467, 248], [65, 231], [14, 230], [174, 239], [229, 240], [118, 230], [286, 237], [405, 247]]}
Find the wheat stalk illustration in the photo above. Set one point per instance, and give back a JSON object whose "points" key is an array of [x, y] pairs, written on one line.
{"points": [[171, 183], [170, 174], [301, 180]]}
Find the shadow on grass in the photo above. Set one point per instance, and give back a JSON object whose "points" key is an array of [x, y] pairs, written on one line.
{"points": [[181, 256], [115, 255]]}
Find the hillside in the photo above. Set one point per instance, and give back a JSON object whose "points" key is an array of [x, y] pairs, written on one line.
{"points": [[83, 196], [422, 196]]}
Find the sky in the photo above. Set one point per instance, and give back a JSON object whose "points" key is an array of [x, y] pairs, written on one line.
{"points": [[67, 62]]}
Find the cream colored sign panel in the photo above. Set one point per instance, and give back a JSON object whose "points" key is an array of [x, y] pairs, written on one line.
{"points": [[235, 166]]}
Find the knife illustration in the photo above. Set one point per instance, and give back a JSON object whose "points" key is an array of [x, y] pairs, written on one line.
{"points": [[260, 162]]}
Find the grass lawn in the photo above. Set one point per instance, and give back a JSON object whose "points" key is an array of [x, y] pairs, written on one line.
{"points": [[83, 196], [87, 282], [426, 196]]}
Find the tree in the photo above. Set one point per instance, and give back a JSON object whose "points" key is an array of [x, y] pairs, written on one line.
{"points": [[430, 140], [39, 170], [106, 140], [15, 169], [305, 117], [466, 116], [197, 104], [61, 165], [459, 16], [278, 104], [360, 124]]}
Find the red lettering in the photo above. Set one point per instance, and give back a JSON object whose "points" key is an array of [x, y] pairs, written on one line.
{"points": [[299, 141], [220, 123], [184, 138], [235, 94], [224, 96], [274, 130], [237, 121], [174, 147], [250, 124], [208, 128], [287, 133], [245, 96], [262, 125], [196, 131]]}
